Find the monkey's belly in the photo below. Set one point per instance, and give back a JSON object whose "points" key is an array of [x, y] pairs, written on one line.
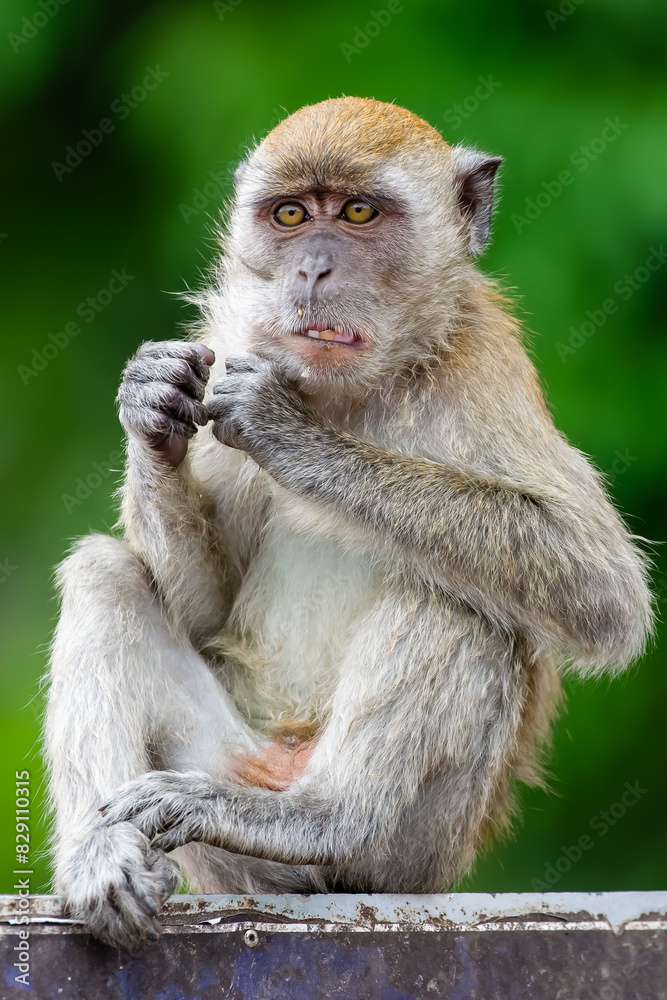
{"points": [[300, 604]]}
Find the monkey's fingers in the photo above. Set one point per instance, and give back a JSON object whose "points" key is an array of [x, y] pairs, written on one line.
{"points": [[150, 817], [197, 823], [171, 839], [122, 805], [171, 822], [175, 372], [116, 885], [227, 422], [197, 354], [132, 904], [163, 433], [117, 927], [179, 405], [135, 912], [150, 810], [243, 363], [184, 365], [207, 355], [156, 789], [154, 426]]}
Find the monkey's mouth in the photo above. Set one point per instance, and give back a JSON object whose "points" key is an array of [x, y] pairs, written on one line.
{"points": [[329, 335]]}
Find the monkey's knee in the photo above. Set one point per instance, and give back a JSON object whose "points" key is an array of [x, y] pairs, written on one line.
{"points": [[102, 569]]}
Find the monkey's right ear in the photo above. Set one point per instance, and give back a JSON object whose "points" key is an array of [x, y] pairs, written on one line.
{"points": [[474, 182]]}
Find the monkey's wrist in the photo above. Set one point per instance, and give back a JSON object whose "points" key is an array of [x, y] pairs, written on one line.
{"points": [[149, 469], [300, 452]]}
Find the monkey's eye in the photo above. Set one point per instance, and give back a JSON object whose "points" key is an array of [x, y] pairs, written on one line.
{"points": [[290, 214], [359, 211]]}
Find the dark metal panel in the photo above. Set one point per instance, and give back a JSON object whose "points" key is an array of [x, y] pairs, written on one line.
{"points": [[360, 948]]}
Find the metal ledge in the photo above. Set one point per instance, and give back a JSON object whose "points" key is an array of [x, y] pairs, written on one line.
{"points": [[512, 946]]}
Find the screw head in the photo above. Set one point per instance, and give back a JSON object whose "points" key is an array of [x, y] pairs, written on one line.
{"points": [[251, 938]]}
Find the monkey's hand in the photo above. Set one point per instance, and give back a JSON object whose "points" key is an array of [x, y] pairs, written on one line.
{"points": [[255, 406], [170, 808], [161, 396], [115, 882]]}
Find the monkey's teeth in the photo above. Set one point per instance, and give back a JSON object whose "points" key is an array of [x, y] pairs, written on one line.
{"points": [[337, 335]]}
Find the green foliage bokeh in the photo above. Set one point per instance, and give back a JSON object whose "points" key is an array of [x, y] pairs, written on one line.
{"points": [[533, 83]]}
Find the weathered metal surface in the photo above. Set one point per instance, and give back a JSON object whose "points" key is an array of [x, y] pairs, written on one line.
{"points": [[529, 946]]}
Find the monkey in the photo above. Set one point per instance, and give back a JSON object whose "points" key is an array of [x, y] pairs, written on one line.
{"points": [[356, 553]]}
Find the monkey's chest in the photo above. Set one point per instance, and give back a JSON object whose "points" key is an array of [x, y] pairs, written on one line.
{"points": [[299, 609]]}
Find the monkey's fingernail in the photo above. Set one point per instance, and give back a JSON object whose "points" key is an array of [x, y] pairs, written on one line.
{"points": [[104, 807], [150, 906], [207, 355]]}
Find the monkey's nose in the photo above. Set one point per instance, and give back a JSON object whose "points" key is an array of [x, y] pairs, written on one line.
{"points": [[313, 274], [314, 269]]}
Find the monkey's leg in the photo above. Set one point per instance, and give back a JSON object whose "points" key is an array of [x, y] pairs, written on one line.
{"points": [[426, 717], [123, 683], [425, 746]]}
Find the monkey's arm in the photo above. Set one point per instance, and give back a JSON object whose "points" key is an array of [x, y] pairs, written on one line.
{"points": [[166, 513], [551, 560], [524, 558]]}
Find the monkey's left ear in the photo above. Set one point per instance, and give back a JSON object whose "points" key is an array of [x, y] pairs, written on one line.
{"points": [[474, 182]]}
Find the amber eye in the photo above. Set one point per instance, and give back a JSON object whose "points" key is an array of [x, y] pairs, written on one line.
{"points": [[359, 211], [290, 214]]}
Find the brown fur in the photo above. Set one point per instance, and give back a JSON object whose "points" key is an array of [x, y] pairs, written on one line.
{"points": [[341, 143]]}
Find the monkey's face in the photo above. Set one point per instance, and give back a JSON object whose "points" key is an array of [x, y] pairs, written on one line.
{"points": [[348, 244], [326, 274]]}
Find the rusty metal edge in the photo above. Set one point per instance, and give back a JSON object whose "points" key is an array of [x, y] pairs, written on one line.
{"points": [[447, 911]]}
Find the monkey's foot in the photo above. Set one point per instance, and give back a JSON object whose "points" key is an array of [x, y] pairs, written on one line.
{"points": [[171, 808], [115, 883]]}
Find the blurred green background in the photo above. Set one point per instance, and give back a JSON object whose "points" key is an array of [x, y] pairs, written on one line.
{"points": [[533, 83]]}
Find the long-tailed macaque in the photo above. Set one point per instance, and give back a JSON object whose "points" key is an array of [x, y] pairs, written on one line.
{"points": [[330, 638]]}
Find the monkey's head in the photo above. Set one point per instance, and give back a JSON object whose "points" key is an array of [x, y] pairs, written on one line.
{"points": [[350, 239]]}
